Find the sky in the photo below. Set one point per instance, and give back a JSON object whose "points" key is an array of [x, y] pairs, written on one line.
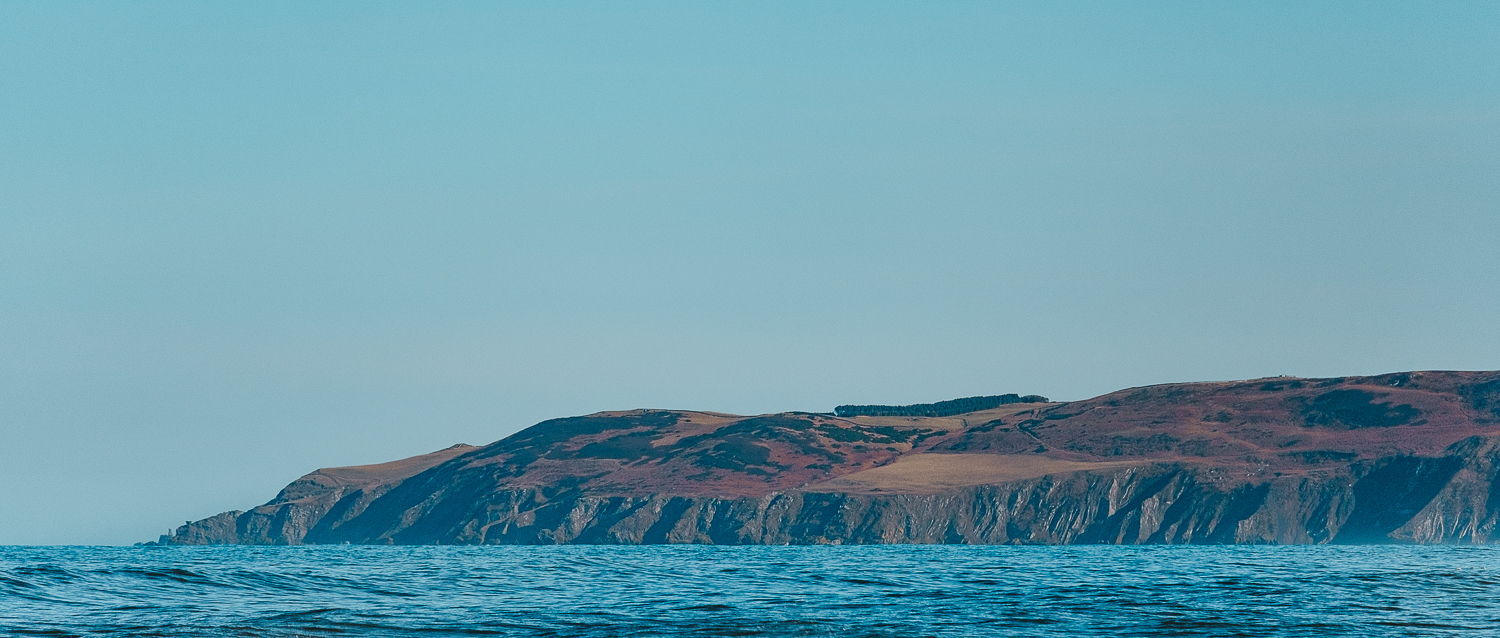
{"points": [[241, 241]]}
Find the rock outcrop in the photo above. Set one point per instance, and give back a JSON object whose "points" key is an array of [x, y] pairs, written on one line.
{"points": [[1400, 458], [306, 502]]}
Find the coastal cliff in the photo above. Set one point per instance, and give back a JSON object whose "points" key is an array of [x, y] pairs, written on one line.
{"points": [[1400, 458]]}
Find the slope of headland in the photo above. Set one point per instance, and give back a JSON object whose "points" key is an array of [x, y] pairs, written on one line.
{"points": [[1408, 457]]}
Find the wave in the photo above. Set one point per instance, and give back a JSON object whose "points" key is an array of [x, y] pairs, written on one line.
{"points": [[752, 591]]}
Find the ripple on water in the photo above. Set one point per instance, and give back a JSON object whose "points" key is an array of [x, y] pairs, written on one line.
{"points": [[750, 591]]}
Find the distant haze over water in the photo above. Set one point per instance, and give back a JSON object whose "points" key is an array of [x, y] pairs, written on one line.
{"points": [[242, 240]]}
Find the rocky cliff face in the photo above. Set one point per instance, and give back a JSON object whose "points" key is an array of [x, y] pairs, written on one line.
{"points": [[341, 491], [1412, 457]]}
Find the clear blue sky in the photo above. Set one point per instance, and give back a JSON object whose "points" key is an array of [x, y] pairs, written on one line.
{"points": [[240, 241]]}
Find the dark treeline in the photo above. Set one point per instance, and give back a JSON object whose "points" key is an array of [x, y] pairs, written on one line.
{"points": [[941, 408]]}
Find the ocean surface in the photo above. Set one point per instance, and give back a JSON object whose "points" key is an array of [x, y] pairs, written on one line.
{"points": [[750, 591]]}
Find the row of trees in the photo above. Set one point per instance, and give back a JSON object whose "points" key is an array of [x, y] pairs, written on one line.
{"points": [[941, 408]]}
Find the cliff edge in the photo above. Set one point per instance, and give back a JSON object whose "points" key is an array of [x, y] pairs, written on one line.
{"points": [[1398, 458]]}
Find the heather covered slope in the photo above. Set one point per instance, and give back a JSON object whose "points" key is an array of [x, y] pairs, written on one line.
{"points": [[1259, 428], [1391, 458]]}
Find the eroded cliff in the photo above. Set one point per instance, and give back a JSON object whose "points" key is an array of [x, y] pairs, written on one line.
{"points": [[1409, 457]]}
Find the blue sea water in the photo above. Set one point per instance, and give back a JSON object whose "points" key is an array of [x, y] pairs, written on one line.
{"points": [[750, 591]]}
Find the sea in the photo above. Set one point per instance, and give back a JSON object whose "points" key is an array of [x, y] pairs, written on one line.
{"points": [[686, 590]]}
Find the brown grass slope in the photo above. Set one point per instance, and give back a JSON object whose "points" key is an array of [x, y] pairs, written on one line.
{"points": [[1207, 441]]}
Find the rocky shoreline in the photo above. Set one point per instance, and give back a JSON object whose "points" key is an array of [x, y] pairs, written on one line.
{"points": [[1408, 458]]}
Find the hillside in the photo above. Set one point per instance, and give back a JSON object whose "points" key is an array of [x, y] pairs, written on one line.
{"points": [[1409, 457]]}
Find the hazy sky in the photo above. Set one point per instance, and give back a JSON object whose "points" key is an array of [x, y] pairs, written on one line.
{"points": [[240, 241]]}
